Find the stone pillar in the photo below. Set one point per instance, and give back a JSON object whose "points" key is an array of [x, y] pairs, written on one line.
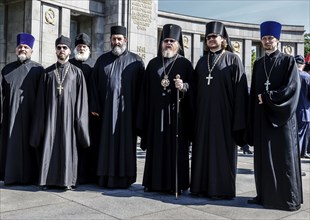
{"points": [[248, 59], [2, 37], [65, 22], [300, 49], [142, 28], [97, 37], [197, 50]]}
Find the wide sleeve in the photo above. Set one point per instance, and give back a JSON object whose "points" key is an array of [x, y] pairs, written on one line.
{"points": [[37, 127], [241, 97], [281, 104], [82, 112]]}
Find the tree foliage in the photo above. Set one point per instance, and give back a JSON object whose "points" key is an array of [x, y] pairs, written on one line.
{"points": [[307, 44]]}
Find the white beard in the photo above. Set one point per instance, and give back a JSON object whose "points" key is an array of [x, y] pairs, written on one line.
{"points": [[22, 57], [118, 50], [81, 56]]}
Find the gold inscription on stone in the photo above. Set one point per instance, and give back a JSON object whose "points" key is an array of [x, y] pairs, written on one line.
{"points": [[141, 13], [141, 52]]}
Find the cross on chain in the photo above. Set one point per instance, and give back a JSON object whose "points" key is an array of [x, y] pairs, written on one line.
{"points": [[60, 88], [209, 77], [267, 84]]}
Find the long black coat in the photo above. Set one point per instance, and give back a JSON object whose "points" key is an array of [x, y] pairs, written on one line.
{"points": [[274, 132], [18, 160], [117, 80], [220, 122], [61, 125], [157, 123]]}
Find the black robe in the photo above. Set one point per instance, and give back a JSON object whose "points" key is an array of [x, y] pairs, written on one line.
{"points": [[157, 124], [219, 125], [117, 80], [87, 163], [18, 160], [61, 125], [274, 133]]}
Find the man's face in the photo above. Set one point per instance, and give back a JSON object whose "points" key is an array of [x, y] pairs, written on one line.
{"points": [[23, 52], [81, 52], [118, 44], [269, 42], [214, 41], [63, 52], [169, 47]]}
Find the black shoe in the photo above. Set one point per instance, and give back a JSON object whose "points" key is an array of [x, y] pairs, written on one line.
{"points": [[255, 200], [247, 151], [303, 173], [44, 188], [307, 156]]}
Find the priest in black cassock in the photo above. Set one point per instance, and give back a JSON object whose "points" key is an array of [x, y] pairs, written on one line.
{"points": [[117, 77], [19, 84], [221, 95], [61, 119], [273, 129], [87, 163], [158, 115]]}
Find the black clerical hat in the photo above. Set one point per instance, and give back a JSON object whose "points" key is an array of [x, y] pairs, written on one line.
{"points": [[82, 38], [119, 30], [63, 40], [217, 27], [25, 38], [172, 31]]}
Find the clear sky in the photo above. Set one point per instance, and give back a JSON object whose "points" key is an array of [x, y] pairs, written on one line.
{"points": [[289, 12]]}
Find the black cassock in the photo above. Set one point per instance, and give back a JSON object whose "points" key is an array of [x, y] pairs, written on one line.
{"points": [[219, 125], [87, 163], [18, 160], [61, 125], [273, 132], [157, 124], [117, 81]]}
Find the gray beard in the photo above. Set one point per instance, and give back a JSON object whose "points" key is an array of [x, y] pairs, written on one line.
{"points": [[22, 57], [168, 53], [81, 56], [118, 50]]}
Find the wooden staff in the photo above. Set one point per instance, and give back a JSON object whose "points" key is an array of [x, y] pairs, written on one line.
{"points": [[177, 141]]}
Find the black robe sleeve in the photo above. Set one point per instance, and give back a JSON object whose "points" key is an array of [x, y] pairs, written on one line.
{"points": [[282, 103]]}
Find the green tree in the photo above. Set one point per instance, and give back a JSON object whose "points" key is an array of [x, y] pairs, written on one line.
{"points": [[307, 44]]}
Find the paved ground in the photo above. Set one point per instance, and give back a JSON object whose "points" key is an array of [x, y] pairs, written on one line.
{"points": [[92, 202]]}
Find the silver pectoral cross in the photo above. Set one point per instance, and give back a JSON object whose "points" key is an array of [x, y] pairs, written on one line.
{"points": [[267, 84], [59, 88], [209, 77]]}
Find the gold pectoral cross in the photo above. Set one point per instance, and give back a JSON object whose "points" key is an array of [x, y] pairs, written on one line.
{"points": [[209, 77], [59, 88]]}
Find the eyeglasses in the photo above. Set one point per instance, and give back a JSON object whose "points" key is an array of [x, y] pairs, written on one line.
{"points": [[212, 36], [62, 47], [169, 40]]}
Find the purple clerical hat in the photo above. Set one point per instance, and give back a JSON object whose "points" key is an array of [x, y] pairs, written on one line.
{"points": [[270, 28], [25, 38]]}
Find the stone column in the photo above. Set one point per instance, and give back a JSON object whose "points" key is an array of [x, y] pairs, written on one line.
{"points": [[197, 50], [248, 59], [142, 28], [97, 37]]}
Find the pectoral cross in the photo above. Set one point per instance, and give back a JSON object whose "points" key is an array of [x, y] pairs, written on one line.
{"points": [[209, 77], [59, 87], [267, 84]]}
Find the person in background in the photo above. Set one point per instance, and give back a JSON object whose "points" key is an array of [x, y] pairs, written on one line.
{"points": [[221, 95], [303, 109], [19, 81], [61, 120], [158, 115], [87, 163], [117, 79], [273, 129]]}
